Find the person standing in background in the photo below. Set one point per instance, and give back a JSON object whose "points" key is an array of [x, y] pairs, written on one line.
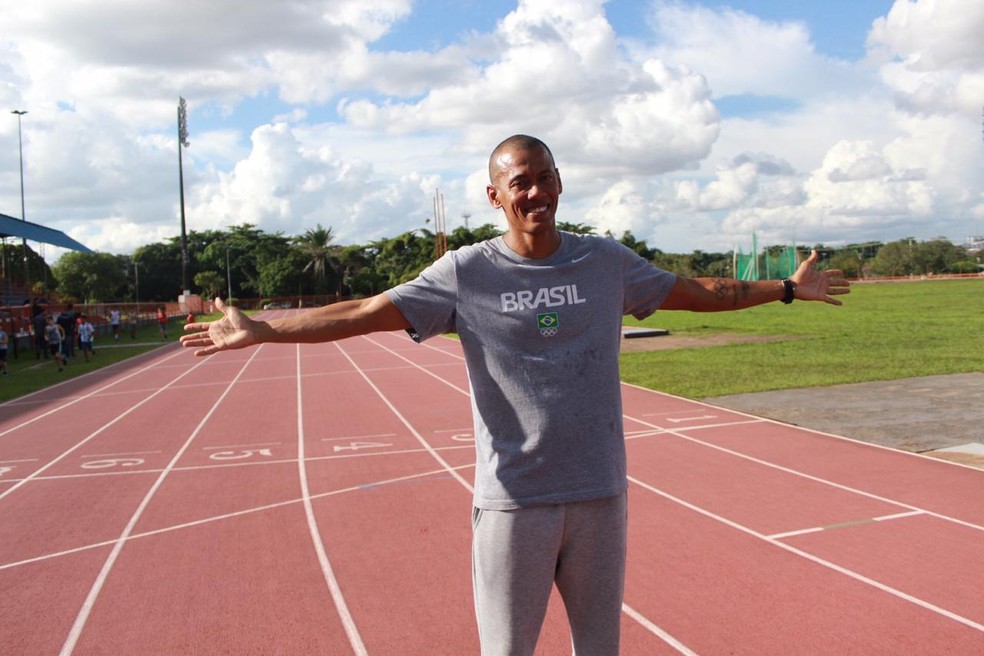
{"points": [[86, 332]]}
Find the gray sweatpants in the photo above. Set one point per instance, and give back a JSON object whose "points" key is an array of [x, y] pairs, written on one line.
{"points": [[517, 555]]}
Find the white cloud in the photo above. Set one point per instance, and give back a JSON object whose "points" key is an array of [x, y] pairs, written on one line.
{"points": [[358, 138]]}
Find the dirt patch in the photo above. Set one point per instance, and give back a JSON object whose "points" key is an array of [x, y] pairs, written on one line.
{"points": [[668, 342]]}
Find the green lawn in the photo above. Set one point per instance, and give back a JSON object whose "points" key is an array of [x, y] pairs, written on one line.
{"points": [[884, 331], [29, 374]]}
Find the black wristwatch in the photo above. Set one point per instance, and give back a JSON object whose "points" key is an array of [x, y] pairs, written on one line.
{"points": [[788, 291]]}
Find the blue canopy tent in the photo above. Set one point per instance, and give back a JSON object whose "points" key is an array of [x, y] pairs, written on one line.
{"points": [[11, 227]]}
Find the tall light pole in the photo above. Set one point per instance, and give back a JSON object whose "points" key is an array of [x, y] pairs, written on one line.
{"points": [[20, 148], [183, 141], [228, 280]]}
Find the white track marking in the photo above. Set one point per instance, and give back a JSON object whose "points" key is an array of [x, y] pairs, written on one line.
{"points": [[355, 640], [36, 473], [117, 455], [816, 559], [823, 481], [422, 368], [819, 529], [240, 446], [807, 430], [80, 621], [226, 465], [75, 400], [349, 438], [230, 515], [413, 431], [660, 633]]}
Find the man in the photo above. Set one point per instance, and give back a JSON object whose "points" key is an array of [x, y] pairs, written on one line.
{"points": [[67, 322], [86, 332], [539, 315], [114, 323]]}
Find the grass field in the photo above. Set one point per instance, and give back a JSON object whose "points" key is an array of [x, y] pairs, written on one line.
{"points": [[884, 331], [29, 373]]}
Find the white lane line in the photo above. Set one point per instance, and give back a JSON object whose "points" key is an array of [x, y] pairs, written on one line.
{"points": [[264, 463], [117, 455], [240, 446], [816, 559], [823, 481], [231, 515], [831, 527], [37, 473], [78, 399], [80, 621], [644, 622], [812, 431], [351, 630], [413, 431], [349, 438], [657, 631], [422, 368]]}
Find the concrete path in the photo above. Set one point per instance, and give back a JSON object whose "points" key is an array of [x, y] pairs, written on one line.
{"points": [[941, 416]]}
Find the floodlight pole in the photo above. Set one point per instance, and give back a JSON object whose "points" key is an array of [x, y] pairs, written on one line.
{"points": [[228, 280], [183, 141], [20, 149]]}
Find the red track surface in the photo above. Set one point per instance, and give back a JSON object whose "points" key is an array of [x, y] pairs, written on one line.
{"points": [[316, 500]]}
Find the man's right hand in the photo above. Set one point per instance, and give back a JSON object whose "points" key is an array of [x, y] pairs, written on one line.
{"points": [[233, 331]]}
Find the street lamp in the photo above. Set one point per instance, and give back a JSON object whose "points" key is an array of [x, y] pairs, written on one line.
{"points": [[20, 148], [228, 280], [183, 141]]}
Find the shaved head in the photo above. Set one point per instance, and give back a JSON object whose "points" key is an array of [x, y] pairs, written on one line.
{"points": [[521, 142]]}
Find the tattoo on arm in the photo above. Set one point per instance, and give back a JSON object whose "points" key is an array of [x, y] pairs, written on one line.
{"points": [[720, 288], [738, 288]]}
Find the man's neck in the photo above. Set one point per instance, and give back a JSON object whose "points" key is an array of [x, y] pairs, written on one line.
{"points": [[533, 246]]}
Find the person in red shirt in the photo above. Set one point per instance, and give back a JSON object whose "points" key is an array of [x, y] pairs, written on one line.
{"points": [[162, 322]]}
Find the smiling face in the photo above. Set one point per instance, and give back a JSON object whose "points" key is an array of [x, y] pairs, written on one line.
{"points": [[526, 185]]}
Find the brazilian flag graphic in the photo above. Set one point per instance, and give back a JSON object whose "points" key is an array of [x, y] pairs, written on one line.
{"points": [[547, 323]]}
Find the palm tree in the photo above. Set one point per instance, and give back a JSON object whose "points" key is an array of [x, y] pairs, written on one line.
{"points": [[316, 245]]}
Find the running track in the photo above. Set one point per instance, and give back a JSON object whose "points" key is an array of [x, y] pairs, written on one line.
{"points": [[315, 499]]}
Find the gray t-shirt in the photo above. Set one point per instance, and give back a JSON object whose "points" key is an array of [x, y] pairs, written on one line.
{"points": [[541, 341]]}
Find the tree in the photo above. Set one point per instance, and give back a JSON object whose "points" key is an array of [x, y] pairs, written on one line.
{"points": [[12, 265], [939, 256], [159, 270], [576, 228], [282, 276], [92, 277], [639, 246], [895, 259], [210, 282], [315, 245]]}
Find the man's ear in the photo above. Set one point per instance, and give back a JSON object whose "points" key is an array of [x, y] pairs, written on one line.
{"points": [[493, 195], [560, 183]]}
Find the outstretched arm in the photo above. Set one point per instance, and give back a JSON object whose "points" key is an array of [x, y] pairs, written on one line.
{"points": [[336, 321], [718, 294]]}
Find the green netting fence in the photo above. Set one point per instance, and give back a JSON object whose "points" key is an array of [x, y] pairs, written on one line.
{"points": [[772, 264]]}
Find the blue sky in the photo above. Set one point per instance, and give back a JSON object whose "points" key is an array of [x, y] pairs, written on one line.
{"points": [[690, 124]]}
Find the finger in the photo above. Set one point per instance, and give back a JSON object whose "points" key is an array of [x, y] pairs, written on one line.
{"points": [[200, 327], [219, 305]]}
